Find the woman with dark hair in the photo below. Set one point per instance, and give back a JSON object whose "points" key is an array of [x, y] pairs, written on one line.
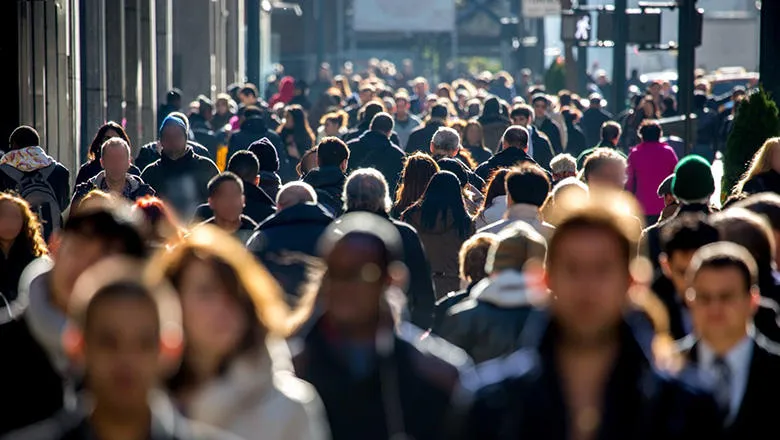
{"points": [[21, 241], [494, 122], [474, 142], [418, 170], [297, 137], [92, 167], [236, 372], [443, 224], [494, 204]]}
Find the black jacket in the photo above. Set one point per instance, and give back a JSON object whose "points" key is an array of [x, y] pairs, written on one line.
{"points": [[363, 128], [244, 231], [651, 236], [543, 151], [756, 418], [592, 120], [148, 154], [182, 182], [286, 242], [258, 207], [135, 188], [412, 379], [523, 396], [93, 167], [374, 150], [764, 182], [328, 182], [251, 130], [420, 138], [504, 159], [553, 132]]}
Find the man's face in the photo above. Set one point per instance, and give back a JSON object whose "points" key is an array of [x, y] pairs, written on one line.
{"points": [[540, 109], [247, 99], [401, 107], [222, 107], [421, 89], [720, 306], [674, 267], [75, 254], [655, 88], [122, 352], [11, 221], [227, 201], [520, 120], [610, 175], [354, 282], [173, 139], [366, 96], [589, 280], [115, 161]]}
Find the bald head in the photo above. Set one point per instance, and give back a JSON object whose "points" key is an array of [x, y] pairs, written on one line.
{"points": [[295, 193]]}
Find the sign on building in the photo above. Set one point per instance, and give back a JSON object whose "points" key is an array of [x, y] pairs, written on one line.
{"points": [[577, 26], [404, 15], [541, 8]]}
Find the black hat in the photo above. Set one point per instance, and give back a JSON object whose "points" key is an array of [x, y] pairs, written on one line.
{"points": [[266, 154], [693, 181], [666, 186], [455, 167]]}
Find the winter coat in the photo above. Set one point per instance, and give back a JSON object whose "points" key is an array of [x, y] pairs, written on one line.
{"points": [[405, 128], [287, 241], [488, 324], [135, 188], [764, 182], [504, 159], [270, 182], [592, 120], [258, 205], [493, 124], [524, 213], [541, 148], [148, 154], [260, 398], [243, 233], [375, 150], [328, 182], [93, 167], [649, 163], [495, 212], [183, 183], [420, 138], [254, 129], [479, 153]]}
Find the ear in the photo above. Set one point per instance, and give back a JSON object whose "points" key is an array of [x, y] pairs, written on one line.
{"points": [[243, 201], [211, 203], [171, 346], [755, 299], [257, 180], [664, 260], [73, 343], [101, 163], [343, 165], [431, 148], [398, 275]]}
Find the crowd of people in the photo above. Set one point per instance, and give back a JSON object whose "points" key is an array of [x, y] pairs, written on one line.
{"points": [[489, 261]]}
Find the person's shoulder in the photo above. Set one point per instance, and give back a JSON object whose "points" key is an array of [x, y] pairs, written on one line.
{"points": [[501, 376], [292, 391], [201, 431], [433, 355]]}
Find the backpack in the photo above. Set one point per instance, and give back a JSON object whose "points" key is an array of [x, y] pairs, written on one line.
{"points": [[34, 187]]}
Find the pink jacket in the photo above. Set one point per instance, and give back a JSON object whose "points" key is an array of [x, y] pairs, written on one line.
{"points": [[649, 163]]}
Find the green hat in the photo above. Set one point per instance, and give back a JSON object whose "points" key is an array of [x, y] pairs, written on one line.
{"points": [[693, 181]]}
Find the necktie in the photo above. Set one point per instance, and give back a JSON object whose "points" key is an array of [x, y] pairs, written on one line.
{"points": [[722, 384]]}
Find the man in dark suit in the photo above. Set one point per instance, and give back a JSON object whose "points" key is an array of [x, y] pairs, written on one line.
{"points": [[539, 146], [740, 365]]}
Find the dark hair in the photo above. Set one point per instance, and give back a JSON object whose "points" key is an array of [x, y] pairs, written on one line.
{"points": [[245, 165], [494, 186], [135, 290], [610, 131], [382, 123], [248, 89], [650, 130], [250, 111], [528, 184], [765, 204], [455, 167], [443, 200], [95, 147], [370, 110], [22, 137], [722, 255], [301, 131], [418, 170], [114, 226], [516, 136], [332, 151], [219, 179], [439, 111], [523, 110], [173, 95], [686, 232], [598, 158], [752, 231], [540, 97]]}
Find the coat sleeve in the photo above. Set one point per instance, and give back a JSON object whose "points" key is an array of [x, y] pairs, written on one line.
{"points": [[630, 175], [421, 295]]}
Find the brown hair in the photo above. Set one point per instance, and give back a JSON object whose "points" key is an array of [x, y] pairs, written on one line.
{"points": [[473, 256], [418, 170], [30, 239], [494, 187]]}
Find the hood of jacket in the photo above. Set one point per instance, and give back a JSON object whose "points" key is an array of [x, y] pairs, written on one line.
{"points": [[27, 159], [301, 213], [508, 289], [269, 178], [132, 183], [324, 177]]}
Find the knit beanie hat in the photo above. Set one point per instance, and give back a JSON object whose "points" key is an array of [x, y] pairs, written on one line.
{"points": [[172, 120], [693, 181], [517, 244], [266, 154]]}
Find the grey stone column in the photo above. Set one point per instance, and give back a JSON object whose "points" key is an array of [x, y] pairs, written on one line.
{"points": [[94, 74], [115, 59], [235, 42], [192, 48], [164, 35], [148, 72], [132, 64]]}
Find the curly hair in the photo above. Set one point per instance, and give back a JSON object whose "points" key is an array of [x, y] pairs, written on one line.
{"points": [[30, 239]]}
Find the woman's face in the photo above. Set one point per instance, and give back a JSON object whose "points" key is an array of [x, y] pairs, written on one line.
{"points": [[647, 106], [331, 128], [222, 107], [11, 221], [473, 136], [774, 158], [288, 121], [213, 321]]}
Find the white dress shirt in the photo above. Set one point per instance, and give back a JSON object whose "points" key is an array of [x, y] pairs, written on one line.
{"points": [[738, 360]]}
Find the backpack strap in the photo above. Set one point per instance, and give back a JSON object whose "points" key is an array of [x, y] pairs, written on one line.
{"points": [[47, 171], [12, 172]]}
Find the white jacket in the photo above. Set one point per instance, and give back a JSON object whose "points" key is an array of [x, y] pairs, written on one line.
{"points": [[521, 212], [492, 214], [261, 399]]}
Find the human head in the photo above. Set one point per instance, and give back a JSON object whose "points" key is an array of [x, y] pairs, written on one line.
{"points": [[173, 98], [442, 201], [382, 123], [244, 164], [22, 137], [752, 231], [363, 254], [522, 115], [517, 246], [438, 112], [473, 257], [366, 190], [515, 137], [681, 237], [495, 186], [768, 206], [205, 107], [766, 158], [366, 92], [266, 155], [309, 161], [528, 185], [229, 302], [473, 134], [650, 131], [107, 131], [540, 104], [226, 196], [724, 294], [161, 226], [248, 94], [595, 100], [570, 188], [173, 136], [333, 152], [605, 167], [123, 333], [445, 142], [89, 235], [333, 122], [693, 181], [295, 193], [563, 166], [665, 191], [418, 170], [610, 132], [402, 104], [222, 104], [20, 228], [115, 158]]}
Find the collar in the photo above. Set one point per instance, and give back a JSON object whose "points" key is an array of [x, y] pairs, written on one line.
{"points": [[523, 211], [738, 358]]}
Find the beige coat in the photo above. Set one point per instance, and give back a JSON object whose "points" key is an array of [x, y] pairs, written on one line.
{"points": [[261, 399]]}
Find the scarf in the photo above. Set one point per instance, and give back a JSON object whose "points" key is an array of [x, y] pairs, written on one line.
{"points": [[27, 159]]}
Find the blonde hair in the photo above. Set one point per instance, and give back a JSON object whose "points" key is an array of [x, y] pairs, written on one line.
{"points": [[761, 163]]}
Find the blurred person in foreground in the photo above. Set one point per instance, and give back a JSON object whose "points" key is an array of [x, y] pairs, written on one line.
{"points": [[740, 364], [376, 377], [588, 371], [123, 333]]}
